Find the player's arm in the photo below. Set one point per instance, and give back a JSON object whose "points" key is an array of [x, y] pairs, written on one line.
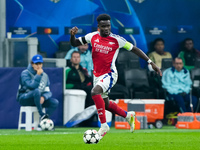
{"points": [[142, 55], [74, 41]]}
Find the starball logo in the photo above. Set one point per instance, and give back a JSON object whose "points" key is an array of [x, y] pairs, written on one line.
{"points": [[139, 1], [102, 49]]}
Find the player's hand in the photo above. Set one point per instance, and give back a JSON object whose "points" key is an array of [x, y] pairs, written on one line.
{"points": [[156, 68], [40, 71], [74, 31], [41, 100]]}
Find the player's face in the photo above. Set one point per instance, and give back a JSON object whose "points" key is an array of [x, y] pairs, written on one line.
{"points": [[159, 47], [189, 45], [37, 66], [178, 64], [83, 48], [75, 60], [104, 27]]}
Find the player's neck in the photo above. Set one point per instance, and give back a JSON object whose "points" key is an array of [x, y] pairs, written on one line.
{"points": [[105, 35], [76, 66], [161, 52]]}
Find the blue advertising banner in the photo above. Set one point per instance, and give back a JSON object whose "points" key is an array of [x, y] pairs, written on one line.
{"points": [[20, 30], [169, 20], [129, 30], [156, 30], [184, 29], [81, 30], [47, 30]]}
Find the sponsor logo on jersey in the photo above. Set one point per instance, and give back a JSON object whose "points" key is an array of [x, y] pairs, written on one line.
{"points": [[102, 49], [100, 113], [97, 40]]}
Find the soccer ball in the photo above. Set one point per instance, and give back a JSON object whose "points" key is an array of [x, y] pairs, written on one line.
{"points": [[46, 124], [91, 137]]}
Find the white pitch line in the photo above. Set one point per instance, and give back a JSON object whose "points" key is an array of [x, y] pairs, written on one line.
{"points": [[166, 131], [47, 133]]}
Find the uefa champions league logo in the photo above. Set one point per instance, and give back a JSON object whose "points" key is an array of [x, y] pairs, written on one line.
{"points": [[41, 86], [55, 1]]}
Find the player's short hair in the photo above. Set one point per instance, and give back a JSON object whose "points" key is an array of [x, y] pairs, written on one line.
{"points": [[75, 52], [188, 39], [103, 17], [177, 58], [182, 44], [158, 40]]}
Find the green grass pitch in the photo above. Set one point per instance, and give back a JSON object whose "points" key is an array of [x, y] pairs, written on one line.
{"points": [[72, 139]]}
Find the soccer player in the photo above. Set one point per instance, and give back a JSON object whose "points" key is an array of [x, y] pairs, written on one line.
{"points": [[105, 48]]}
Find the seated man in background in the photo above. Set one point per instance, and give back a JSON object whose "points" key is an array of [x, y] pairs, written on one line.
{"points": [[189, 53], [86, 57], [77, 77], [176, 80], [34, 88], [158, 54]]}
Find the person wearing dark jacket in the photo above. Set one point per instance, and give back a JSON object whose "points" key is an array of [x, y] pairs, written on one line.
{"points": [[189, 54], [77, 77], [34, 88]]}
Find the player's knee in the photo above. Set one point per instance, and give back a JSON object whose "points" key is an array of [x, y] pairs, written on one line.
{"points": [[37, 92], [94, 92], [55, 103]]}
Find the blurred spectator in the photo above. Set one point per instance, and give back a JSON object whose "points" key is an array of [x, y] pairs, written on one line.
{"points": [[188, 53], [86, 57], [77, 77], [176, 80], [158, 54], [34, 88]]}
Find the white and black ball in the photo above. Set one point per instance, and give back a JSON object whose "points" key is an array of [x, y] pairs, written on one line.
{"points": [[46, 124], [91, 137]]}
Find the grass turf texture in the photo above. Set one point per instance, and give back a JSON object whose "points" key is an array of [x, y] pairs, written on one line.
{"points": [[72, 139]]}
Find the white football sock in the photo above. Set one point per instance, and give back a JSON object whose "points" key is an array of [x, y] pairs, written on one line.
{"points": [[104, 125]]}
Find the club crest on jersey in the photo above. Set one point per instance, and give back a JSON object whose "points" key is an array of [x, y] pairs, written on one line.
{"points": [[101, 80], [111, 43], [97, 40]]}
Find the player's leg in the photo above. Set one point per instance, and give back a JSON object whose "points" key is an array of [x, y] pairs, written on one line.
{"points": [[179, 100], [51, 104], [187, 99], [130, 118], [100, 87], [114, 108], [99, 102], [100, 105], [32, 98]]}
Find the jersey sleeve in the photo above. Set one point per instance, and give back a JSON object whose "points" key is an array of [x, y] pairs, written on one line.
{"points": [[124, 44], [86, 39]]}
